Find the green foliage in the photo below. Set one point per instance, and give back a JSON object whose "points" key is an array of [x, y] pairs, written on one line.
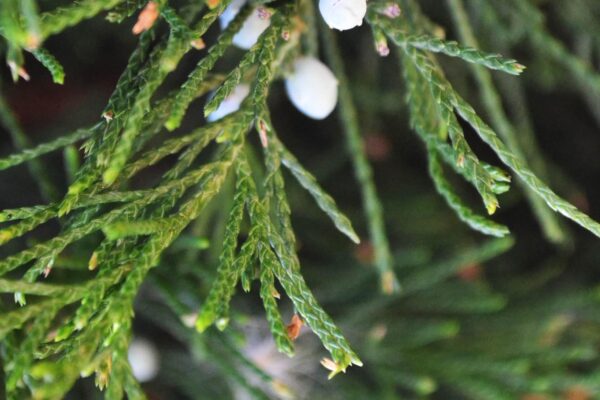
{"points": [[75, 291]]}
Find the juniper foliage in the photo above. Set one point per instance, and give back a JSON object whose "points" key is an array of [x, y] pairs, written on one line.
{"points": [[74, 292]]}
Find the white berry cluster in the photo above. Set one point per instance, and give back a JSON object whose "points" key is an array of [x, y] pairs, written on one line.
{"points": [[311, 86]]}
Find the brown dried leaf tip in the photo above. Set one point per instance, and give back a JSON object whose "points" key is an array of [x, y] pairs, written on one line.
{"points": [[146, 18], [293, 329], [18, 71], [212, 3], [198, 44]]}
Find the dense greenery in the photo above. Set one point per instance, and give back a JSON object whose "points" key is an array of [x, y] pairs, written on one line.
{"points": [[168, 214]]}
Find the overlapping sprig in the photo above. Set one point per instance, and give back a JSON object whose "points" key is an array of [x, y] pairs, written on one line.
{"points": [[64, 327], [138, 225], [437, 95]]}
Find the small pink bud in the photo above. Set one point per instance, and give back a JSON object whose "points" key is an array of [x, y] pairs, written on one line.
{"points": [[382, 49], [392, 10]]}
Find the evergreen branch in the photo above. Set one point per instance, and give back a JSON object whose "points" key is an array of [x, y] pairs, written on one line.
{"points": [[176, 23], [38, 289], [120, 101], [310, 39], [450, 48], [59, 243], [553, 201], [44, 148], [306, 304], [121, 229], [265, 60], [177, 45], [493, 104], [51, 64], [185, 96], [439, 88], [25, 353], [235, 76], [296, 288], [246, 257], [203, 134], [268, 294], [31, 19], [63, 17], [37, 215], [11, 26], [325, 201], [170, 56], [227, 272], [275, 185], [465, 214], [424, 119], [34, 220], [14, 319], [486, 180]]}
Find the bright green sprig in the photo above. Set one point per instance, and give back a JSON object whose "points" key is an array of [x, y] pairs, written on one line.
{"points": [[172, 53], [493, 104], [37, 215], [439, 87], [265, 61], [44, 148], [51, 64], [176, 23], [276, 195], [296, 288], [450, 48], [121, 229], [257, 237], [58, 243], [12, 26], [147, 256], [227, 272], [32, 217], [203, 135], [63, 17], [14, 319], [424, 114], [235, 76], [98, 149], [325, 201], [25, 353], [466, 215], [268, 294], [31, 19], [261, 55], [177, 45], [195, 79], [246, 257], [553, 201]]}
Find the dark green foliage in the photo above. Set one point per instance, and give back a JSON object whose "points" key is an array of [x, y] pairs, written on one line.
{"points": [[74, 290]]}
